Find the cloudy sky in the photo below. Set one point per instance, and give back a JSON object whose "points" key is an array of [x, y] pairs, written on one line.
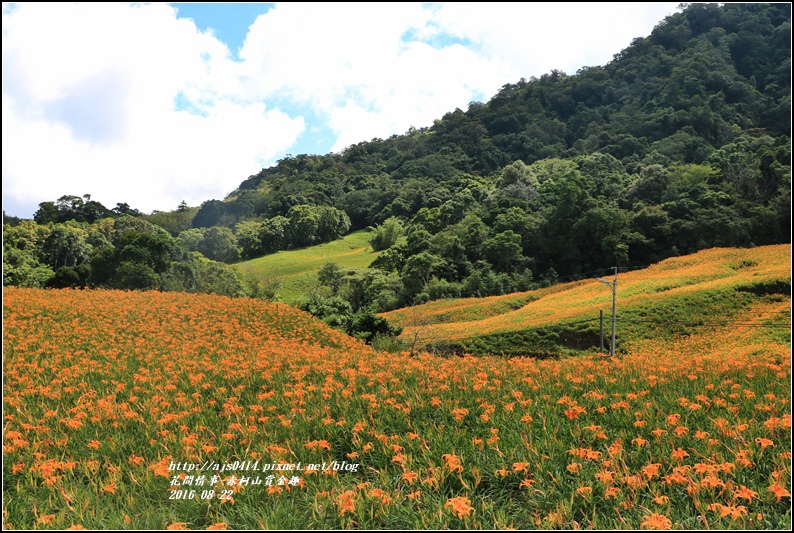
{"points": [[152, 104]]}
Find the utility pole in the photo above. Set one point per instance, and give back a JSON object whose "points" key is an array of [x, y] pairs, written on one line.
{"points": [[601, 328], [614, 285]]}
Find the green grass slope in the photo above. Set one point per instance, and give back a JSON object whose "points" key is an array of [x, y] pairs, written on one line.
{"points": [[296, 269], [670, 299]]}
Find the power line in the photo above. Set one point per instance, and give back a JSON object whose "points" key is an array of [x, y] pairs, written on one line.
{"points": [[580, 275], [679, 322], [577, 322], [636, 267], [706, 323]]}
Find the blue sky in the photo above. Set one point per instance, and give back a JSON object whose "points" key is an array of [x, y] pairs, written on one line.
{"points": [[228, 22], [152, 104]]}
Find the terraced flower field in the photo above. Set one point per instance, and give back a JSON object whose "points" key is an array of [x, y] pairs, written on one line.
{"points": [[707, 286]]}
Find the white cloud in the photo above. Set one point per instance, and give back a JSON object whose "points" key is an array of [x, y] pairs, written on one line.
{"points": [[89, 90], [89, 107], [371, 70], [537, 37], [351, 63]]}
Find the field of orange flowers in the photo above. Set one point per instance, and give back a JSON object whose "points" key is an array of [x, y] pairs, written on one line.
{"points": [[121, 410], [688, 288]]}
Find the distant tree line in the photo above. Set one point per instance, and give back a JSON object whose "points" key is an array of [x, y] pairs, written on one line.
{"points": [[125, 252], [77, 242]]}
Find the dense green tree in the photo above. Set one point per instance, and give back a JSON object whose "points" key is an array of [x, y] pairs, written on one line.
{"points": [[393, 259], [69, 277], [249, 239], [190, 239], [216, 278], [135, 275], [476, 233], [653, 182], [22, 268], [154, 251], [367, 326], [103, 267], [502, 250], [385, 235], [601, 234], [196, 273], [331, 275], [274, 234], [440, 288], [123, 208], [385, 291], [448, 244], [517, 181], [304, 223], [69, 207], [418, 239], [26, 235], [210, 213], [219, 244], [332, 224], [174, 222], [126, 223], [429, 218], [66, 246], [418, 270]]}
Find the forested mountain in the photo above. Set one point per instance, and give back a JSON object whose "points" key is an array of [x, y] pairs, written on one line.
{"points": [[681, 142], [709, 87]]}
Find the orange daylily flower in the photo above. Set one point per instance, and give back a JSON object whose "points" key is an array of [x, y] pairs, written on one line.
{"points": [[735, 512], [520, 467], [651, 470], [745, 493], [460, 505], [346, 502], [679, 454], [526, 483], [585, 491], [656, 521], [605, 476], [46, 519], [410, 477], [453, 462], [779, 491]]}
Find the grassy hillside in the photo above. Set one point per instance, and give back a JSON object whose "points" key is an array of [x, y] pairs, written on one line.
{"points": [[296, 269], [147, 410], [667, 299]]}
